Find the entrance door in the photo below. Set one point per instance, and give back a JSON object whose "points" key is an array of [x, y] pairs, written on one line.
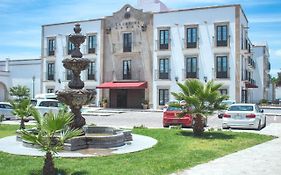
{"points": [[122, 98]]}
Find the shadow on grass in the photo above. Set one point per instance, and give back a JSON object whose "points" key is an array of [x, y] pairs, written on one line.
{"points": [[60, 172], [208, 135]]}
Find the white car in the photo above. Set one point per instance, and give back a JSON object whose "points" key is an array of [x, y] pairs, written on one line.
{"points": [[248, 116], [46, 105], [227, 103], [6, 110]]}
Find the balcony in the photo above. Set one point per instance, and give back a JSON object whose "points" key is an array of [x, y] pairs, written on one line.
{"points": [[163, 46], [49, 76], [119, 47], [136, 75], [162, 75], [221, 74], [251, 63], [187, 75]]}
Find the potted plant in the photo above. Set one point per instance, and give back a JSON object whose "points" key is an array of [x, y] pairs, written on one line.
{"points": [[104, 102], [145, 104]]}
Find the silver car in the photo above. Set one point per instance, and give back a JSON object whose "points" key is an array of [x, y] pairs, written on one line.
{"points": [[248, 116], [6, 110]]}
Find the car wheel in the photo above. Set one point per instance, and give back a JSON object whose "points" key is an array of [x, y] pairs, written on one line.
{"points": [[165, 126], [225, 127]]}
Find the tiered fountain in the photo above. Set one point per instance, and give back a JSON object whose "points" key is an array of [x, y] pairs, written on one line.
{"points": [[76, 97]]}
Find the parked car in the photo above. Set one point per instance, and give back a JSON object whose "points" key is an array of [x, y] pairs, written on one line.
{"points": [[248, 116], [227, 103], [46, 105], [170, 117], [6, 110]]}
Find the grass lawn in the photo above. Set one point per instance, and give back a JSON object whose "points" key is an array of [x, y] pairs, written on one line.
{"points": [[176, 150]]}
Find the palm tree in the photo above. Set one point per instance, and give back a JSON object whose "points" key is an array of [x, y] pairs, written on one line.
{"points": [[22, 108], [20, 92], [53, 131], [201, 101]]}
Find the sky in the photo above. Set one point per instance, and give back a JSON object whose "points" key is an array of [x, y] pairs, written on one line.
{"points": [[21, 21]]}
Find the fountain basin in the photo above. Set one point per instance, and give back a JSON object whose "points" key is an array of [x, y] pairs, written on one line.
{"points": [[99, 137]]}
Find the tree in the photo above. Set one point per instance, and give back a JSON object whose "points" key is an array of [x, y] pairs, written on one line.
{"points": [[201, 101], [22, 109], [53, 131], [20, 92]]}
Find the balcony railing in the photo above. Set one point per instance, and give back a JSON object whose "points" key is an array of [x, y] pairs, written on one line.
{"points": [[221, 74], [163, 46], [221, 43], [162, 75], [49, 76], [251, 62], [190, 74], [134, 75], [119, 47]]}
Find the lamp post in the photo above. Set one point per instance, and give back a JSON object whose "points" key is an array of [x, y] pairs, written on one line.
{"points": [[33, 86]]}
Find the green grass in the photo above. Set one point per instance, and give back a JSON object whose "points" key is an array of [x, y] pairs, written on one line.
{"points": [[176, 150]]}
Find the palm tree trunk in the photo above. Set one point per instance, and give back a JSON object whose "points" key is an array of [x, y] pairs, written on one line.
{"points": [[22, 126], [49, 167], [198, 125]]}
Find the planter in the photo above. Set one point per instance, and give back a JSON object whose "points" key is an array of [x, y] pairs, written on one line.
{"points": [[104, 105], [145, 106]]}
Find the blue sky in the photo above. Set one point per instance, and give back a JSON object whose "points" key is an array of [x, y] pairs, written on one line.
{"points": [[21, 21]]}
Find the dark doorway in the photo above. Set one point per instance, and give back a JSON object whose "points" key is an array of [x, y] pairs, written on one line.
{"points": [[122, 98]]}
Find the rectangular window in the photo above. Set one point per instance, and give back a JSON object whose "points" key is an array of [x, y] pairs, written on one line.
{"points": [[92, 44], [221, 35], [164, 68], [92, 71], [164, 39], [163, 96], [127, 42], [191, 67], [51, 47], [50, 71], [222, 67], [50, 90], [223, 91], [69, 74], [191, 34], [127, 70], [70, 47]]}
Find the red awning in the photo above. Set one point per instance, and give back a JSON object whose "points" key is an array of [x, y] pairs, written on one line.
{"points": [[250, 85], [123, 85]]}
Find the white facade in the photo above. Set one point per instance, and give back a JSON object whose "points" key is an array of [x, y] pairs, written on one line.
{"points": [[55, 78], [205, 20], [261, 73], [19, 72]]}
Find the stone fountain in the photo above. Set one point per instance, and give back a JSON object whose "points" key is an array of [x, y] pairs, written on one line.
{"points": [[75, 97]]}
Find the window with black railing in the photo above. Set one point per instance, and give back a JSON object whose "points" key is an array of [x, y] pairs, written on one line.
{"points": [[223, 91], [191, 41], [51, 47], [50, 71], [92, 71], [164, 39], [127, 70], [191, 67], [70, 47], [69, 74], [92, 43], [127, 42], [163, 96], [164, 68], [221, 67], [221, 35], [50, 90]]}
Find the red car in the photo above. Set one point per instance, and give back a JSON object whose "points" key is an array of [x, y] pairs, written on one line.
{"points": [[170, 117]]}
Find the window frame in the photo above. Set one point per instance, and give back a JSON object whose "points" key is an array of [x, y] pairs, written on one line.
{"points": [[51, 46], [127, 70], [163, 96], [164, 38], [127, 41], [193, 37], [193, 73], [92, 43], [221, 71], [70, 47], [222, 36], [51, 71], [91, 71], [164, 70]]}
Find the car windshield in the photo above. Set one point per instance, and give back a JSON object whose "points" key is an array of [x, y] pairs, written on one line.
{"points": [[240, 108], [173, 108], [227, 103]]}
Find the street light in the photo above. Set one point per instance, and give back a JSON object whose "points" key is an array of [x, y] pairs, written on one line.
{"points": [[33, 86]]}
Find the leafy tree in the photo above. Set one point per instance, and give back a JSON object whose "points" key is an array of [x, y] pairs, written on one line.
{"points": [[22, 109], [201, 101], [20, 92], [53, 131]]}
